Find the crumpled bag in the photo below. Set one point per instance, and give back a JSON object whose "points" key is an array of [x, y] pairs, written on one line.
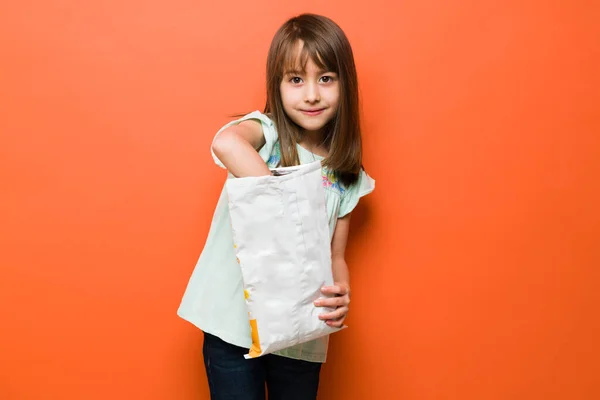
{"points": [[282, 243]]}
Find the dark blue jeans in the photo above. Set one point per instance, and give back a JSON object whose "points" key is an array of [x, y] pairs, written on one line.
{"points": [[232, 377]]}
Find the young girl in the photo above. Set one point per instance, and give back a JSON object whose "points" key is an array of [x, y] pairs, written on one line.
{"points": [[311, 114]]}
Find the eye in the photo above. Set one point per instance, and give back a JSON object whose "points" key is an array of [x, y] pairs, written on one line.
{"points": [[296, 80], [327, 79]]}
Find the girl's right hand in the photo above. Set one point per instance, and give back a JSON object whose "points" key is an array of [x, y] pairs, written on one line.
{"points": [[237, 148]]}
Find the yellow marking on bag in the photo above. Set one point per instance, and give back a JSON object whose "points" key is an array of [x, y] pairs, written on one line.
{"points": [[255, 350]]}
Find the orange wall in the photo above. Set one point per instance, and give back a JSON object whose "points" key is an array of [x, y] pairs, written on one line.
{"points": [[475, 262]]}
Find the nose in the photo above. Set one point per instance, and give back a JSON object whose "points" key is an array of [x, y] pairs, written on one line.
{"points": [[311, 95]]}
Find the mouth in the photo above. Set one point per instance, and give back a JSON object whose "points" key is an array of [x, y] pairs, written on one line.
{"points": [[313, 112]]}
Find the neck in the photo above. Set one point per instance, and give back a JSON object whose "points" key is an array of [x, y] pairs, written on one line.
{"points": [[313, 137], [314, 141]]}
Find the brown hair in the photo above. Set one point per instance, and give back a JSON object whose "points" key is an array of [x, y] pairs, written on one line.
{"points": [[327, 46]]}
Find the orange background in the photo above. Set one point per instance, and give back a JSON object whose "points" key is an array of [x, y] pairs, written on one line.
{"points": [[474, 263]]}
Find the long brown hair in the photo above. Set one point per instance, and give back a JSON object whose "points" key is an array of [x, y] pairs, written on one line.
{"points": [[327, 46]]}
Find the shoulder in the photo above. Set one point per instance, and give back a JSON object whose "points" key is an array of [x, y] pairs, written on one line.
{"points": [[255, 127], [257, 116], [363, 185], [253, 120], [352, 193]]}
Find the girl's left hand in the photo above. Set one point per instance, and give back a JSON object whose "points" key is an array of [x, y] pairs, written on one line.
{"points": [[341, 303]]}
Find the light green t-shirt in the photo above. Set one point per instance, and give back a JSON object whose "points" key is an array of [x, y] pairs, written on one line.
{"points": [[214, 298]]}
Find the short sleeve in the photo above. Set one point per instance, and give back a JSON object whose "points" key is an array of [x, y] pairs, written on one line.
{"points": [[352, 195], [268, 131]]}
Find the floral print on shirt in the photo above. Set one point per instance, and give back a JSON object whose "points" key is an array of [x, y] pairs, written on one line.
{"points": [[330, 180]]}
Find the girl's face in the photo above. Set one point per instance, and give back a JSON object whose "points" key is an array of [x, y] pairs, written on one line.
{"points": [[311, 97]]}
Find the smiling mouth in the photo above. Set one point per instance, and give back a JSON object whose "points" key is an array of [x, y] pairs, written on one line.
{"points": [[313, 112]]}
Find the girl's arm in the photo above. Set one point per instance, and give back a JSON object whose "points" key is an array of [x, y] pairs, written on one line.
{"points": [[341, 277], [237, 148]]}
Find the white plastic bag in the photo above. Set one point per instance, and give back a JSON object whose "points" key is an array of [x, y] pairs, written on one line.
{"points": [[282, 242]]}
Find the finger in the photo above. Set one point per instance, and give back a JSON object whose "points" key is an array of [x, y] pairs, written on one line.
{"points": [[335, 290], [338, 313], [333, 302], [337, 323]]}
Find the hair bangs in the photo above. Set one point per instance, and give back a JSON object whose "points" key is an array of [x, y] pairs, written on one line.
{"points": [[295, 55], [321, 53]]}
